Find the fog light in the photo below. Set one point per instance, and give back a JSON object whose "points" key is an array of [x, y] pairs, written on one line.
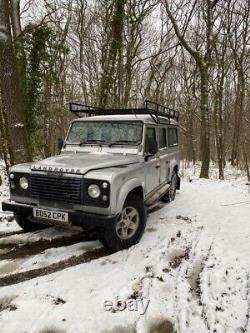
{"points": [[12, 176], [12, 185], [23, 182], [104, 198]]}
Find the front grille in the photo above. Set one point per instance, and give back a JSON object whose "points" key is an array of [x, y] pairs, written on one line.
{"points": [[54, 188]]}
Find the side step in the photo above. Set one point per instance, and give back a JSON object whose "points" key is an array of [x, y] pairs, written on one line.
{"points": [[157, 205], [153, 198]]}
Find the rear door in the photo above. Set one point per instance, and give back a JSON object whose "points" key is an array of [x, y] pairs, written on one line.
{"points": [[152, 165], [173, 149], [163, 154]]}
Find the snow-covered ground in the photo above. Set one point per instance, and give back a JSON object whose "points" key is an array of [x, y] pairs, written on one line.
{"points": [[190, 272]]}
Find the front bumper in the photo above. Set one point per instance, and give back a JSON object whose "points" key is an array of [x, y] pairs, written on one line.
{"points": [[87, 221]]}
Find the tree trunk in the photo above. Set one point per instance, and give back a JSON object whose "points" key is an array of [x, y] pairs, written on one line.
{"points": [[218, 126], [10, 88], [4, 140], [204, 136], [238, 118], [113, 63], [246, 161]]}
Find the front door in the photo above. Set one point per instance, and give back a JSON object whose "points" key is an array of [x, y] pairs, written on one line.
{"points": [[152, 169]]}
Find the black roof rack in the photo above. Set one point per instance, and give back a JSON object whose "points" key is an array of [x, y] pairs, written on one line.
{"points": [[155, 110]]}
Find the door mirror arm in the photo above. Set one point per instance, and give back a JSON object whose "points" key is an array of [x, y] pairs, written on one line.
{"points": [[60, 144], [147, 157]]}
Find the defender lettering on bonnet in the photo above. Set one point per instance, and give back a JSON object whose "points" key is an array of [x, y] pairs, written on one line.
{"points": [[112, 168]]}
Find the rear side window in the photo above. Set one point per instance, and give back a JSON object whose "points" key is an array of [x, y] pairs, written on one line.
{"points": [[172, 136], [150, 133], [162, 138]]}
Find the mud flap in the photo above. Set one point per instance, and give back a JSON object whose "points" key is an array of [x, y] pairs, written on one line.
{"points": [[178, 182]]}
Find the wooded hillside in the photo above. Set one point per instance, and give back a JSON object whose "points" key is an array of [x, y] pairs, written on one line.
{"points": [[193, 56]]}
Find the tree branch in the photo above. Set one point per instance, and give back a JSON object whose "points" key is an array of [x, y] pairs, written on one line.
{"points": [[179, 35]]}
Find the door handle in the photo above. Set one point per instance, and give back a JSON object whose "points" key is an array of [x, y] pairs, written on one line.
{"points": [[157, 166]]}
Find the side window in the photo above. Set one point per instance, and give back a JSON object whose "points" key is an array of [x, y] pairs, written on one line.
{"points": [[172, 136], [162, 138], [150, 133]]}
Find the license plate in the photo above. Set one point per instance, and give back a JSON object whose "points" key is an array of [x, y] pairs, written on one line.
{"points": [[50, 215]]}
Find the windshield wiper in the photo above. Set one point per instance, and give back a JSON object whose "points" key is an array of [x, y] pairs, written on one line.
{"points": [[89, 141], [120, 142]]}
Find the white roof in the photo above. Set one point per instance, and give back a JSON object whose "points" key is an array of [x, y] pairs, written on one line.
{"points": [[144, 118]]}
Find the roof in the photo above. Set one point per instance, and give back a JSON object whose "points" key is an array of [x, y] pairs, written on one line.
{"points": [[144, 118]]}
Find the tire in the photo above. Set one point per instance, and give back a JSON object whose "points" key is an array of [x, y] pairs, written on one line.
{"points": [[26, 225], [117, 235], [170, 195]]}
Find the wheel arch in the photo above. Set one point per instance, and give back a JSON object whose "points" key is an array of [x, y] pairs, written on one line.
{"points": [[133, 186]]}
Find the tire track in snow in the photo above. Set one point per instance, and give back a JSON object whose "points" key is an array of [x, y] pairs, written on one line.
{"points": [[55, 267], [12, 233], [223, 287], [187, 300], [209, 290], [176, 252], [183, 294], [247, 324], [188, 280], [199, 289], [13, 251]]}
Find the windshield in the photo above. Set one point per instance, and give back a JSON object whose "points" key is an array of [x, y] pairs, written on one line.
{"points": [[110, 133]]}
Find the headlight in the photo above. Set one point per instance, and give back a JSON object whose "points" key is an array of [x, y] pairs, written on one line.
{"points": [[94, 191], [23, 182]]}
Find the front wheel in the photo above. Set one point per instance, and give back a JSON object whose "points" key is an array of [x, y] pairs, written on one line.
{"points": [[128, 227], [170, 195], [27, 225]]}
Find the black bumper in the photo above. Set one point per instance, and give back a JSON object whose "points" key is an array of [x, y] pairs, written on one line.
{"points": [[87, 221]]}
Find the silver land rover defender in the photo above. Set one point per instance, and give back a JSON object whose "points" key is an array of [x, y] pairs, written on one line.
{"points": [[113, 167]]}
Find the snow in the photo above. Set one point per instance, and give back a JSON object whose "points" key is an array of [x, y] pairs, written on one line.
{"points": [[15, 17], [5, 217], [3, 37], [3, 33], [32, 237], [18, 125], [192, 268]]}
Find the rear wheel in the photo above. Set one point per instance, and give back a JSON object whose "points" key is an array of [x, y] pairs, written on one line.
{"points": [[27, 225], [128, 227], [170, 195]]}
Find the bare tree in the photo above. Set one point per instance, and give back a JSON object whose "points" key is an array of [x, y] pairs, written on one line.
{"points": [[10, 85], [202, 56], [239, 42]]}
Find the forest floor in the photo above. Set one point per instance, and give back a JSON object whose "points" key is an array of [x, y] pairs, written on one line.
{"points": [[189, 273]]}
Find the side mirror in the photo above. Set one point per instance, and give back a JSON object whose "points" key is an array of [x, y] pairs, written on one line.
{"points": [[152, 148], [60, 144]]}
